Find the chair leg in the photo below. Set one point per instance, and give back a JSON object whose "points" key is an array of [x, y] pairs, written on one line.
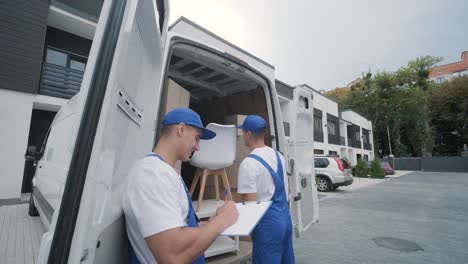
{"points": [[216, 183], [195, 181], [202, 190], [226, 182]]}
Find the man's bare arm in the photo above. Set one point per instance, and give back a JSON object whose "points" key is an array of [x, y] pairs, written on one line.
{"points": [[184, 244]]}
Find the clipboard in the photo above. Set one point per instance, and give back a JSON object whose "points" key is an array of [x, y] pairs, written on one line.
{"points": [[249, 215]]}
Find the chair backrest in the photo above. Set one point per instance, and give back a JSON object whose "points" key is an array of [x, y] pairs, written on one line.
{"points": [[219, 152]]}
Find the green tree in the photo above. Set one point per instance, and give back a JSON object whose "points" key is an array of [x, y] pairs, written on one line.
{"points": [[448, 110], [361, 169], [375, 170], [396, 101]]}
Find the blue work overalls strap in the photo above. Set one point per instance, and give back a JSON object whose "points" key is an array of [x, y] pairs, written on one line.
{"points": [[272, 237], [192, 221]]}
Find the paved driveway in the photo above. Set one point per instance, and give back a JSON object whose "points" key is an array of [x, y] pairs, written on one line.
{"points": [[427, 208]]}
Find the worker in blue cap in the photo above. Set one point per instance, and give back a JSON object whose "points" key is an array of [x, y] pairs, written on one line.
{"points": [[262, 177], [161, 223]]}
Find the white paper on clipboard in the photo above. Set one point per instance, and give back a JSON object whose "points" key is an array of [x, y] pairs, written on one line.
{"points": [[249, 215]]}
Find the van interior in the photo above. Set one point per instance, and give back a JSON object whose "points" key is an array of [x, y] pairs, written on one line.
{"points": [[222, 91]]}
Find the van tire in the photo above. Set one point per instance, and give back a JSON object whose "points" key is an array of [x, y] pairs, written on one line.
{"points": [[323, 184], [32, 208]]}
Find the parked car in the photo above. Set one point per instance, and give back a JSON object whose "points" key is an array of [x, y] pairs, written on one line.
{"points": [[331, 173], [385, 165]]}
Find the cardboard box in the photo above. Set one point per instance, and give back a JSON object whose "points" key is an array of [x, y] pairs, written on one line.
{"points": [[176, 97]]}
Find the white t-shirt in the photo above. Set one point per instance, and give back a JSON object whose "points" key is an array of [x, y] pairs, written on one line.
{"points": [[154, 201], [255, 178]]}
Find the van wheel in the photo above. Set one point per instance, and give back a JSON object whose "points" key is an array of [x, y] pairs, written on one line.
{"points": [[323, 184], [32, 208]]}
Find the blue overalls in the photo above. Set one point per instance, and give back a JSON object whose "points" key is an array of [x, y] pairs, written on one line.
{"points": [[272, 238], [192, 222]]}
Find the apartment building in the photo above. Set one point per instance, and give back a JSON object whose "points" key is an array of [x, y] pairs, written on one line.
{"points": [[449, 71], [345, 134], [45, 45]]}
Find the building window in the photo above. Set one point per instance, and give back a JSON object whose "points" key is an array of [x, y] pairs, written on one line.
{"points": [[366, 157], [318, 152], [331, 128], [440, 79], [65, 60], [318, 124], [364, 138], [357, 136], [333, 153], [56, 57]]}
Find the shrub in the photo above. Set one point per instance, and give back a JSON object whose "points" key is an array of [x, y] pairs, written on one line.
{"points": [[361, 169], [376, 171]]}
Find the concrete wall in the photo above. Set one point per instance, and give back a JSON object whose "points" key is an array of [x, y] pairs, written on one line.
{"points": [[15, 115], [442, 164]]}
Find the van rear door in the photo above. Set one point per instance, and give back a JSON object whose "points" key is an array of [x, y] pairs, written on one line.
{"points": [[120, 91], [301, 161]]}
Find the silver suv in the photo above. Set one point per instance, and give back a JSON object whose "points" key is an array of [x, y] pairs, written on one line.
{"points": [[331, 173]]}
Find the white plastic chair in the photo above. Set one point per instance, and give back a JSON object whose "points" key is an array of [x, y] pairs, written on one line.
{"points": [[214, 157]]}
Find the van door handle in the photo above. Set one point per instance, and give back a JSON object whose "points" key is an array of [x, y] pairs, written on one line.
{"points": [[291, 167]]}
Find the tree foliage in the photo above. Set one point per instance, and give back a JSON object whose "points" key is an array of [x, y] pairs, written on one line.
{"points": [[361, 169], [396, 101], [376, 170], [448, 110]]}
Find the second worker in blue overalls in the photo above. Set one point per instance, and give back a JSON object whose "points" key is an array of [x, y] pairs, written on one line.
{"points": [[262, 177]]}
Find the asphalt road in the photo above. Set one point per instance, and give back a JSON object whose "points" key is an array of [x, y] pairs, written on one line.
{"points": [[421, 217]]}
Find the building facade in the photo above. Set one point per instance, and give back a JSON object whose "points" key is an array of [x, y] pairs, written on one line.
{"points": [[449, 71], [45, 45], [345, 134]]}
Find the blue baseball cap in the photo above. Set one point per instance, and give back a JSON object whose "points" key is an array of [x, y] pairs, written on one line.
{"points": [[253, 123], [188, 117]]}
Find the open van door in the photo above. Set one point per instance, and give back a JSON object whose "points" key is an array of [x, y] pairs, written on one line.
{"points": [[301, 162], [116, 114]]}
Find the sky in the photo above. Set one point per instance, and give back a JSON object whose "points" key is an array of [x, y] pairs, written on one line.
{"points": [[327, 44]]}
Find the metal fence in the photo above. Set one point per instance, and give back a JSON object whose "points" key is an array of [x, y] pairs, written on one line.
{"points": [[442, 164], [342, 141]]}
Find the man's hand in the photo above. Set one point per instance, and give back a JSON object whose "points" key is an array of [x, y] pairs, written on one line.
{"points": [[184, 244], [227, 214]]}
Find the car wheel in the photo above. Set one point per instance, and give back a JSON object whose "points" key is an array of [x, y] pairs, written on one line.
{"points": [[32, 208], [323, 184]]}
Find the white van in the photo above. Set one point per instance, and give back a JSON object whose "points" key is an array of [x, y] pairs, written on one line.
{"points": [[116, 117]]}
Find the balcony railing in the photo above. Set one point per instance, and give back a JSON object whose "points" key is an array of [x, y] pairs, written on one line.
{"points": [[367, 146], [318, 136], [357, 144], [59, 81], [342, 141]]}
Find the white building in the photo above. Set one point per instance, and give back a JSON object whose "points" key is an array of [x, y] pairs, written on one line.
{"points": [[345, 134], [447, 72], [359, 137], [43, 59]]}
